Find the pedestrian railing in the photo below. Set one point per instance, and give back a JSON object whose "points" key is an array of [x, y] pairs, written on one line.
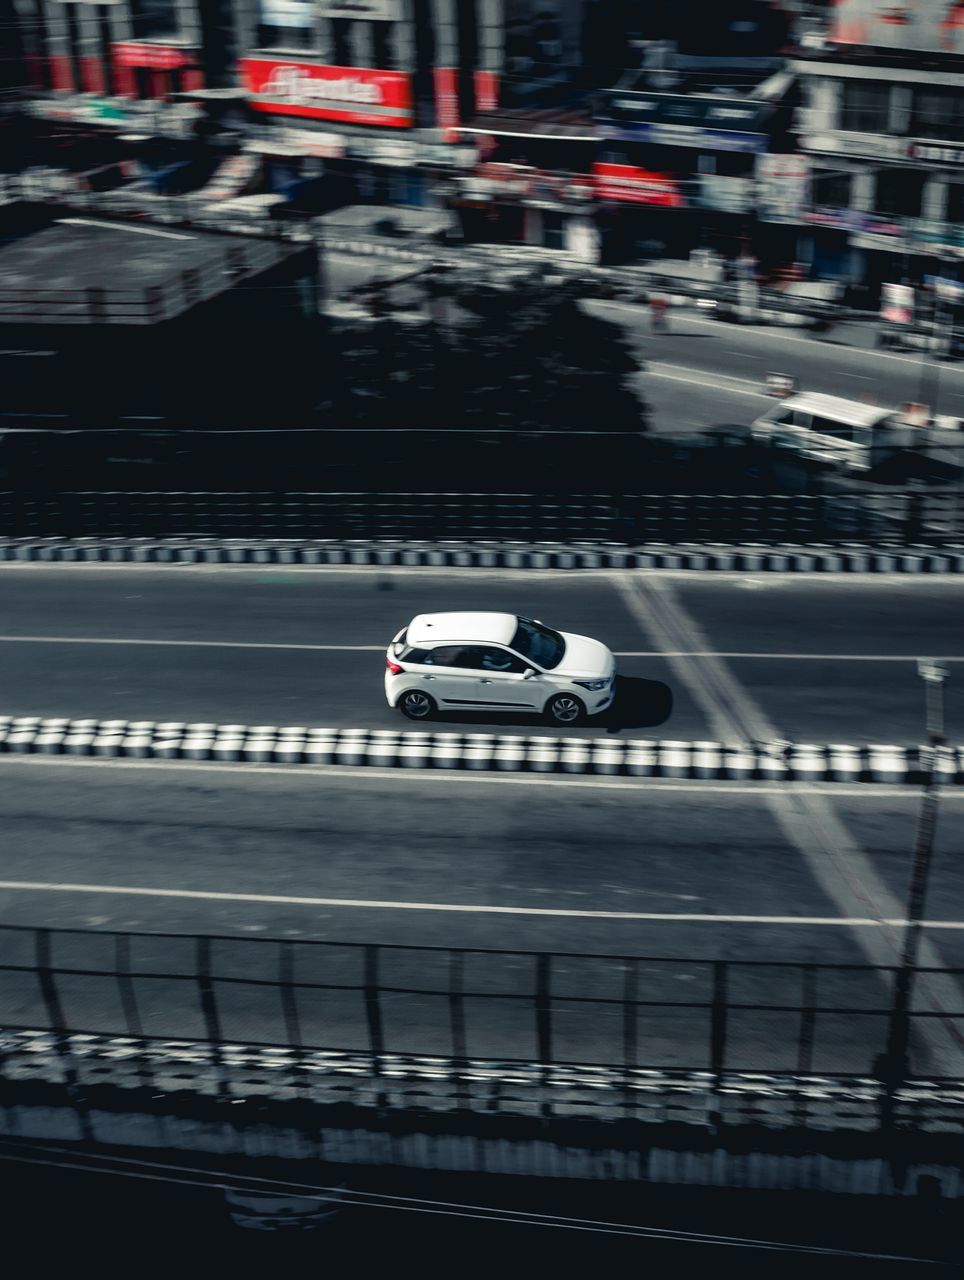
{"points": [[903, 518], [619, 1021]]}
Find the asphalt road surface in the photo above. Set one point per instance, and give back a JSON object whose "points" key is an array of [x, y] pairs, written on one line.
{"points": [[706, 373], [682, 874], [690, 872], [818, 659]]}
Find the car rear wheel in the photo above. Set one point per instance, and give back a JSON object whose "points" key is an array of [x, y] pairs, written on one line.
{"points": [[416, 705], [565, 708]]}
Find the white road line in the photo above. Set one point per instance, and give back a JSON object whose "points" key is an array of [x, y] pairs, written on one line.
{"points": [[409, 777], [817, 347], [701, 378], [380, 648], [841, 869], [194, 644], [460, 908], [122, 226]]}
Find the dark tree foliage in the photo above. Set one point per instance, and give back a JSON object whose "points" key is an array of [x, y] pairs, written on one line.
{"points": [[519, 354]]}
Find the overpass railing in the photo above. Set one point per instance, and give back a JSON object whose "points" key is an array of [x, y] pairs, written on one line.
{"points": [[618, 1024], [905, 518]]}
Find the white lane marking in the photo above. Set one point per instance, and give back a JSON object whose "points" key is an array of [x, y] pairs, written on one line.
{"points": [[460, 908], [194, 644], [123, 226], [816, 346], [864, 377], [380, 648], [410, 777], [841, 869], [702, 378]]}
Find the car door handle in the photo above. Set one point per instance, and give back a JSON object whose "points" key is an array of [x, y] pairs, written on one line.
{"points": [[484, 681], [428, 677]]}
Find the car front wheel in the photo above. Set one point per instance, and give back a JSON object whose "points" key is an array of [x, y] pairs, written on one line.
{"points": [[565, 708], [416, 705]]}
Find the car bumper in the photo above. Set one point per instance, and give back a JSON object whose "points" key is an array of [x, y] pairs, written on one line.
{"points": [[605, 700]]}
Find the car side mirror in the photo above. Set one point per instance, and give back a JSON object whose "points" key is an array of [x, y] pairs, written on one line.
{"points": [[528, 673]]}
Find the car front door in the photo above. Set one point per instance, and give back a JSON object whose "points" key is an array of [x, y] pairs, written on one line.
{"points": [[500, 679]]}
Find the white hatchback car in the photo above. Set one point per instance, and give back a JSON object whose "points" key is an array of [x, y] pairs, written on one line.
{"points": [[496, 662]]}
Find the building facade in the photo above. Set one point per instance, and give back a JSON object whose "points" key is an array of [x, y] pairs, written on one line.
{"points": [[881, 121]]}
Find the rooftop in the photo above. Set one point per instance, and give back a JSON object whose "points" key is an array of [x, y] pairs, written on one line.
{"points": [[81, 270], [431, 628]]}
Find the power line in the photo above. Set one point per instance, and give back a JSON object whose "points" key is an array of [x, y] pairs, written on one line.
{"points": [[131, 1167]]}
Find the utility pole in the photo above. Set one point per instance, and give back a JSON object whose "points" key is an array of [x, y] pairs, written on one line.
{"points": [[897, 1058], [930, 371]]}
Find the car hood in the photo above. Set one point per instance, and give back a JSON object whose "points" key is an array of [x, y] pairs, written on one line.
{"points": [[584, 657]]}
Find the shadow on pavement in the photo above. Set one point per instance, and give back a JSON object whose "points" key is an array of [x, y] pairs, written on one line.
{"points": [[639, 704]]}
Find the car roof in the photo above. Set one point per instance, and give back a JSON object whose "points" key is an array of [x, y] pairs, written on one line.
{"points": [[476, 628], [852, 413]]}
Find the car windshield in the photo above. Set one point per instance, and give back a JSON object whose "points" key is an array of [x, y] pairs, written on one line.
{"points": [[539, 644]]}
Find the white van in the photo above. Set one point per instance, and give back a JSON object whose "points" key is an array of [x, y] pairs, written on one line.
{"points": [[827, 429]]}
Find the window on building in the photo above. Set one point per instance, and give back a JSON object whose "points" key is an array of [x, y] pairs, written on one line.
{"points": [[154, 18], [899, 192], [955, 203], [382, 44], [286, 26], [832, 190], [865, 106], [938, 113]]}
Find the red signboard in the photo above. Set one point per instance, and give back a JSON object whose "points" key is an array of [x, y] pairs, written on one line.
{"points": [[447, 100], [627, 183], [486, 91], [362, 96], [158, 57]]}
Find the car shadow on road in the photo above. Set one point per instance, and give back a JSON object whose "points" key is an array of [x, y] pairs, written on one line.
{"points": [[639, 704]]}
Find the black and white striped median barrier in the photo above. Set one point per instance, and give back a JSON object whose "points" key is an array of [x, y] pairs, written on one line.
{"points": [[298, 745], [641, 759], [673, 759], [707, 761], [414, 750], [844, 763], [447, 751], [542, 755], [887, 764]]}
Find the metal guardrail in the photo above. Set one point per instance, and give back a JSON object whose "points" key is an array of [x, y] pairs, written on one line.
{"points": [[931, 519], [528, 1012]]}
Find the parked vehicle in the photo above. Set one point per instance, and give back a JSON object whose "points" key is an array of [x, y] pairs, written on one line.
{"points": [[849, 434]]}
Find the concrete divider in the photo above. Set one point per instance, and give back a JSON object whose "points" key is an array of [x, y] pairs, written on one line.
{"points": [[298, 745], [694, 556]]}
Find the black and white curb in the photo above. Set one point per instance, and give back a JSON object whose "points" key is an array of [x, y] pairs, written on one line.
{"points": [[417, 749], [748, 558]]}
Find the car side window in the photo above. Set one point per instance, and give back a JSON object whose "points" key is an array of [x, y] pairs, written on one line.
{"points": [[826, 427], [416, 655], [490, 658], [449, 655]]}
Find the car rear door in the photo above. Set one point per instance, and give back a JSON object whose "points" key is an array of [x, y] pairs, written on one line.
{"points": [[446, 678]]}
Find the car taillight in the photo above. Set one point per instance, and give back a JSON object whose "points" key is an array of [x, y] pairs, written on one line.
{"points": [[393, 667]]}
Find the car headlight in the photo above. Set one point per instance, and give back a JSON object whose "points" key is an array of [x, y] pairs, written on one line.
{"points": [[592, 684]]}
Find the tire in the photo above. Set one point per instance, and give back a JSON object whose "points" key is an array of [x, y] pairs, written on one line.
{"points": [[565, 708], [416, 705]]}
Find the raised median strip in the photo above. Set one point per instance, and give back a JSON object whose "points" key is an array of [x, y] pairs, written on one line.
{"points": [[746, 558], [417, 749]]}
